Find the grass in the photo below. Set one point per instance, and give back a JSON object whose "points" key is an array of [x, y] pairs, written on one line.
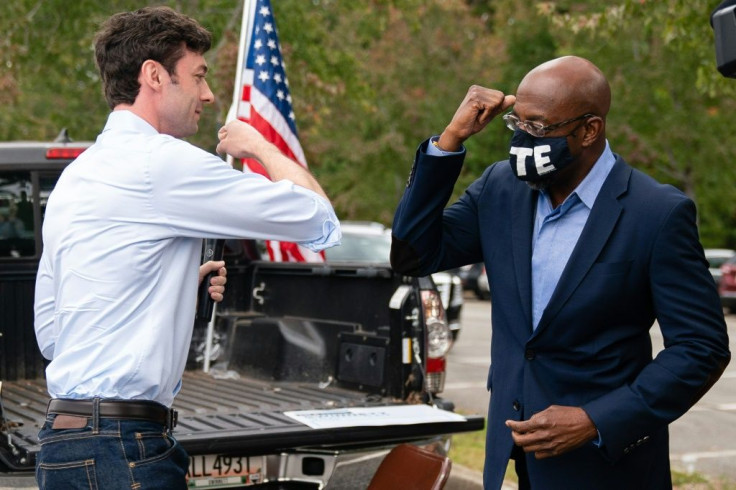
{"points": [[468, 449]]}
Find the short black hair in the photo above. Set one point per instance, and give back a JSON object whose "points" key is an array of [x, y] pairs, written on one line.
{"points": [[127, 39]]}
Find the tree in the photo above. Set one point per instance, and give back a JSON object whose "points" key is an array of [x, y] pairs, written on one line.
{"points": [[48, 75], [672, 110], [370, 80]]}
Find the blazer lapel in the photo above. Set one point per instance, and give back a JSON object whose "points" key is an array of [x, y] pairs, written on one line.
{"points": [[597, 230], [522, 227]]}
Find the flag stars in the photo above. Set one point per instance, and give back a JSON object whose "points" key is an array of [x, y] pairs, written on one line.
{"points": [[269, 69]]}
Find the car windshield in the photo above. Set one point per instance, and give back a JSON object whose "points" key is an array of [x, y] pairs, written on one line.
{"points": [[716, 262], [361, 247], [718, 258]]}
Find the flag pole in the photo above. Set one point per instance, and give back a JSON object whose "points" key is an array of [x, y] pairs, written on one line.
{"points": [[246, 28]]}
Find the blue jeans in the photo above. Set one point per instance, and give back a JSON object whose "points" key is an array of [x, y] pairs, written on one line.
{"points": [[110, 454]]}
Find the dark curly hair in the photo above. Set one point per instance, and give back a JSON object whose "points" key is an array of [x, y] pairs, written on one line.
{"points": [[127, 39]]}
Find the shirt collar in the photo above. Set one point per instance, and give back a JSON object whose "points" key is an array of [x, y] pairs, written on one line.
{"points": [[124, 120], [588, 189], [591, 185]]}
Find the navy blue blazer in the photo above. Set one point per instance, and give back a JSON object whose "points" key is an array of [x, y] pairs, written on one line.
{"points": [[638, 259]]}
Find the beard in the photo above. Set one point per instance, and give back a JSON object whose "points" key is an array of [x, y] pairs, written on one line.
{"points": [[543, 183]]}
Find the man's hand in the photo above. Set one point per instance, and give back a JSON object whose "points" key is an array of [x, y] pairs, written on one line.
{"points": [[217, 282], [553, 431], [241, 140], [478, 108]]}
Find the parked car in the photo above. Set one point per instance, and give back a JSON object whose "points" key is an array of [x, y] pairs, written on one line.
{"points": [[469, 276], [716, 258], [370, 242], [727, 286], [483, 290]]}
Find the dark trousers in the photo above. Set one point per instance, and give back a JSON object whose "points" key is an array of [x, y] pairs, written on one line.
{"points": [[519, 457]]}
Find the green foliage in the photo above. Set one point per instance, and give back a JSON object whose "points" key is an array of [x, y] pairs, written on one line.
{"points": [[48, 77], [377, 79], [370, 80], [468, 449], [672, 110]]}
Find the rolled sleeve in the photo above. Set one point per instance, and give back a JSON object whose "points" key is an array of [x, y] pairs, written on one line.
{"points": [[331, 231]]}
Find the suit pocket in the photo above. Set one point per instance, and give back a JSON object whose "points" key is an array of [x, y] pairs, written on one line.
{"points": [[489, 381]]}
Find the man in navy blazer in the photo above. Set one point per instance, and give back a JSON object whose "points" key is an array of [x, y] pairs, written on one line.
{"points": [[583, 254]]}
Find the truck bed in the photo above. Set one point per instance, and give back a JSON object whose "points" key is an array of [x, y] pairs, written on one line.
{"points": [[222, 415]]}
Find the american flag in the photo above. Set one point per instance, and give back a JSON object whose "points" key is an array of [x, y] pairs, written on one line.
{"points": [[263, 100]]}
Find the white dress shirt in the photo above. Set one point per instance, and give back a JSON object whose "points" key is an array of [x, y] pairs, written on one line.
{"points": [[117, 282]]}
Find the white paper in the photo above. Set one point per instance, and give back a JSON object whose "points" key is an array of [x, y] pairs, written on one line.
{"points": [[373, 416]]}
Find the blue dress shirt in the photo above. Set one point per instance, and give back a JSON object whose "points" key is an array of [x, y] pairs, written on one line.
{"points": [[556, 232]]}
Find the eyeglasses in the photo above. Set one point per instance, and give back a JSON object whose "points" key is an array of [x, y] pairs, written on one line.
{"points": [[534, 128]]}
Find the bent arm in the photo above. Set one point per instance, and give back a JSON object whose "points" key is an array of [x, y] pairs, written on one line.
{"points": [[241, 140], [426, 236], [201, 196]]}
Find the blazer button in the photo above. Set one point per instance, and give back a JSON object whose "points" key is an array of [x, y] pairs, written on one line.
{"points": [[516, 405], [529, 354]]}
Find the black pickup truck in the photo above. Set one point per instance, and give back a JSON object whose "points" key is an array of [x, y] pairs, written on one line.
{"points": [[308, 375]]}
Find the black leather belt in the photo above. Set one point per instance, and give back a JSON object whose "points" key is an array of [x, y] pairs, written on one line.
{"points": [[116, 409]]}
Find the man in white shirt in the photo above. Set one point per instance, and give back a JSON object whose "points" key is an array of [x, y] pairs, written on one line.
{"points": [[116, 286]]}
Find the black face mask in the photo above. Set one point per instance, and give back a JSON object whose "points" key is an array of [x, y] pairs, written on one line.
{"points": [[533, 159]]}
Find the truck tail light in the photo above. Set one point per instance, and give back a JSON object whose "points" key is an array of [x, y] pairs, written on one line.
{"points": [[439, 340], [63, 153], [434, 379]]}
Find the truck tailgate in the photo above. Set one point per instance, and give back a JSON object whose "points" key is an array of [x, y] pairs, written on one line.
{"points": [[233, 415]]}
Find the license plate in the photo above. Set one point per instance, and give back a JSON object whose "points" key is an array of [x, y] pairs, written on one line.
{"points": [[220, 471]]}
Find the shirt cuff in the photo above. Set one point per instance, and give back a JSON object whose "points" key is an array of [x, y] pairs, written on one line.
{"points": [[598, 442], [435, 151]]}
